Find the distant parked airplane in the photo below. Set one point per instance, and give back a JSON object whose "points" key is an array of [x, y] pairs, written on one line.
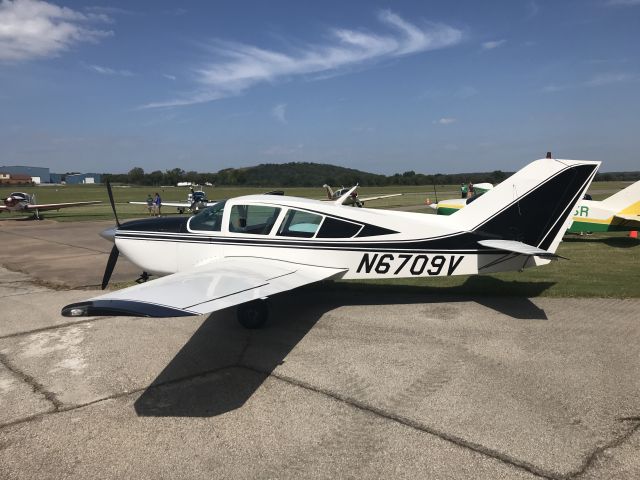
{"points": [[353, 198], [23, 202], [196, 201]]}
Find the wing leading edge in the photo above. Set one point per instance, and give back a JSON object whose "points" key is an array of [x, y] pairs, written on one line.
{"points": [[219, 284], [58, 206]]}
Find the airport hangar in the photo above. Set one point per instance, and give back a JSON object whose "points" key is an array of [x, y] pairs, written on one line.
{"points": [[42, 175]]}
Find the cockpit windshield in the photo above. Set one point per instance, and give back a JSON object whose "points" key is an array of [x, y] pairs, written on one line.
{"points": [[209, 219]]}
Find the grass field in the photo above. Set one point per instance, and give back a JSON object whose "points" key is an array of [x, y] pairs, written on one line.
{"points": [[413, 197], [600, 265]]}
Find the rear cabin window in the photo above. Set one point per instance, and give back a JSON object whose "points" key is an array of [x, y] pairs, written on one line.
{"points": [[253, 219], [298, 223], [209, 219], [334, 228]]}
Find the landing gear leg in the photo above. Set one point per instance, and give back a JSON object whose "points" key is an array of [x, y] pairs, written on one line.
{"points": [[143, 277], [253, 314]]}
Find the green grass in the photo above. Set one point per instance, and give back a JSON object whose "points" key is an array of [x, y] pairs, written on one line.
{"points": [[599, 265]]}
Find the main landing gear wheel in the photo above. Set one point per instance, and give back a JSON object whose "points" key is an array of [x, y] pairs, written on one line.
{"points": [[253, 314]]}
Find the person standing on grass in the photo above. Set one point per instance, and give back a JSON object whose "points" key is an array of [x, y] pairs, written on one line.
{"points": [[150, 205], [157, 203]]}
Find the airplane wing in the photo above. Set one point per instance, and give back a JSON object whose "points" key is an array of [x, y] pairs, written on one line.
{"points": [[57, 206], [219, 284], [628, 218], [173, 204], [166, 204], [366, 199], [517, 247]]}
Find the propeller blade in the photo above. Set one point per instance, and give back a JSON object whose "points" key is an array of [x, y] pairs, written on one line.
{"points": [[111, 263], [113, 205]]}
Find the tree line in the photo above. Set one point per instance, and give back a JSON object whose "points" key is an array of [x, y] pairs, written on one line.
{"points": [[306, 174]]}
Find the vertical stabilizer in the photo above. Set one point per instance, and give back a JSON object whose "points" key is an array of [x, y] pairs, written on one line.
{"points": [[533, 206], [626, 201]]}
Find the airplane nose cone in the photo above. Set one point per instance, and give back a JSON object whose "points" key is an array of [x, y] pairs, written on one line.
{"points": [[109, 234]]}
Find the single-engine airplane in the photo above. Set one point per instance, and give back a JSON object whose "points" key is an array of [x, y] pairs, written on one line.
{"points": [[23, 202], [619, 212], [196, 201], [353, 199], [243, 250]]}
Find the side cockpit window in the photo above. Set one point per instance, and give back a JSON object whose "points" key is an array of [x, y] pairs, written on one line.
{"points": [[253, 219], [334, 228], [209, 219], [298, 223]]}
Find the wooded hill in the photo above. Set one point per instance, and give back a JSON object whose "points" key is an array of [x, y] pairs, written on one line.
{"points": [[306, 174]]}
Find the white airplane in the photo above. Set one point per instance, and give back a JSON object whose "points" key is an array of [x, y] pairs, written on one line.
{"points": [[243, 250], [23, 202], [196, 201], [353, 198]]}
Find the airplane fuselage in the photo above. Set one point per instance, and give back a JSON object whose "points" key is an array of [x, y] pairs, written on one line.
{"points": [[368, 244], [17, 201]]}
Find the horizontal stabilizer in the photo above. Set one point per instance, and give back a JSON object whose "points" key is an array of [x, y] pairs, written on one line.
{"points": [[517, 247], [628, 218]]}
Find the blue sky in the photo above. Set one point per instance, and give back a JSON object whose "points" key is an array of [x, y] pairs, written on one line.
{"points": [[430, 86]]}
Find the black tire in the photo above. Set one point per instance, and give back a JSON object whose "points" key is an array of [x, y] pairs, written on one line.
{"points": [[253, 314]]}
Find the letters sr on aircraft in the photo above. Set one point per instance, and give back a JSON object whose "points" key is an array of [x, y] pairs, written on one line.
{"points": [[245, 249]]}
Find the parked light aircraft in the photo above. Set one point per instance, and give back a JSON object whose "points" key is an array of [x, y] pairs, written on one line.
{"points": [[196, 201], [240, 251], [619, 212], [353, 198], [23, 202]]}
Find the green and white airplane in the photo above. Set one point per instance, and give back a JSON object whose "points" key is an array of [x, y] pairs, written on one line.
{"points": [[619, 212]]}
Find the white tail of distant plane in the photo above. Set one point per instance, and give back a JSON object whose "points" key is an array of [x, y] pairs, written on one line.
{"points": [[626, 201], [533, 206]]}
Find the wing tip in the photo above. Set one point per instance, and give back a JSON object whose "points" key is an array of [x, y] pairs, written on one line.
{"points": [[121, 308]]}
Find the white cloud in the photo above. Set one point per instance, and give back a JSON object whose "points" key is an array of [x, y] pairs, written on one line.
{"points": [[33, 29], [552, 88], [466, 92], [238, 67], [283, 150], [109, 71], [622, 3], [493, 44], [170, 77], [609, 78], [445, 121], [279, 112]]}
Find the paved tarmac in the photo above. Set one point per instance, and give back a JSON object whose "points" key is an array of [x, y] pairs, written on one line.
{"points": [[341, 384]]}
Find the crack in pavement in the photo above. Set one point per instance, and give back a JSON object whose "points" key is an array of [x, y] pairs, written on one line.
{"points": [[53, 327], [458, 441], [59, 407], [616, 442], [33, 383]]}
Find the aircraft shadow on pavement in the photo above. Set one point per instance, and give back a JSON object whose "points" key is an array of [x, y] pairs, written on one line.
{"points": [[222, 364]]}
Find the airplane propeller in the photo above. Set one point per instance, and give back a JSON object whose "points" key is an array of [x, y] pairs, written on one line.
{"points": [[113, 256], [113, 205], [111, 263]]}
